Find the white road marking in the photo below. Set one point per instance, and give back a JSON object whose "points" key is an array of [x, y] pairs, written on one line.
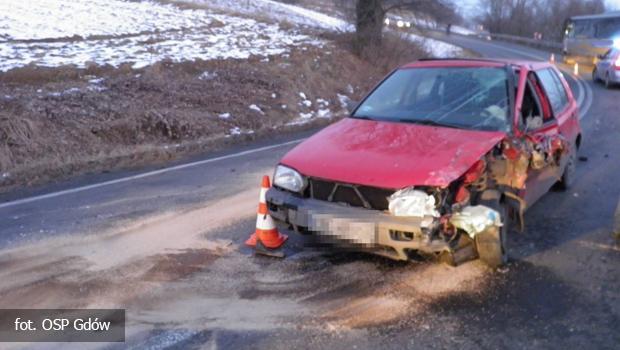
{"points": [[143, 175]]}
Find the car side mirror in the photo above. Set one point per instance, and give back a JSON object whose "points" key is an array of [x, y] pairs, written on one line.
{"points": [[351, 105]]}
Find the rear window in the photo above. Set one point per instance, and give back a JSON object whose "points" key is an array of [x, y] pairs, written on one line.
{"points": [[461, 97]]}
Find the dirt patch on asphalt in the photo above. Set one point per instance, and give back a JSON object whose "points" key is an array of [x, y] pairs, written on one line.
{"points": [[170, 267], [115, 267], [403, 293], [371, 310], [178, 270]]}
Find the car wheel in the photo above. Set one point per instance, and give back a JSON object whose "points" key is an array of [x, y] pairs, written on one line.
{"points": [[607, 81], [594, 77], [491, 245], [568, 177]]}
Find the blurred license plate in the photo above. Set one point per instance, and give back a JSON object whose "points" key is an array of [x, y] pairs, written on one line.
{"points": [[352, 230]]}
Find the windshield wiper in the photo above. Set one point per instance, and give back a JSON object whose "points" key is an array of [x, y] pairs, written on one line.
{"points": [[431, 123], [365, 117]]}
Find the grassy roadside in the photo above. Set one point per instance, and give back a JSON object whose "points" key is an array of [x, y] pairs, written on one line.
{"points": [[60, 122]]}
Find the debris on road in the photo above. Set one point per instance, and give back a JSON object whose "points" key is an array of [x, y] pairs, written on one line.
{"points": [[476, 219]]}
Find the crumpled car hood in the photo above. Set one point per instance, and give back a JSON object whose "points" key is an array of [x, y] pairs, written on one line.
{"points": [[390, 155]]}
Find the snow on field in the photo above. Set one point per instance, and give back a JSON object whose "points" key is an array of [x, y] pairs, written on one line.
{"points": [[81, 32], [47, 19], [277, 10], [115, 31], [462, 30], [436, 48]]}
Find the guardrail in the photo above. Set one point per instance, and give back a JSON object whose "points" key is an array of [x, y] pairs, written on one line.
{"points": [[541, 44]]}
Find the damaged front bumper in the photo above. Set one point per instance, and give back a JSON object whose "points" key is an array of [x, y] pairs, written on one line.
{"points": [[366, 229]]}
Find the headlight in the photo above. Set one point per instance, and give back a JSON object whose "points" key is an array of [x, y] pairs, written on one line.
{"points": [[288, 178]]}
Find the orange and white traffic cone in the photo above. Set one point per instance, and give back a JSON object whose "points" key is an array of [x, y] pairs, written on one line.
{"points": [[266, 235]]}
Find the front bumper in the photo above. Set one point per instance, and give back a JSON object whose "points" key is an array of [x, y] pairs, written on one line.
{"points": [[393, 237]]}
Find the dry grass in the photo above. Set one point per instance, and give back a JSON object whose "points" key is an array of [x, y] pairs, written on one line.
{"points": [[164, 111]]}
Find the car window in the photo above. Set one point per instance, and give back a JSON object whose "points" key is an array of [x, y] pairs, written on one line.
{"points": [[462, 97], [583, 29], [541, 97], [554, 89], [530, 108], [608, 28], [560, 85]]}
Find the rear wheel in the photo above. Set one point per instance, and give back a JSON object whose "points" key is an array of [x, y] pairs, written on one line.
{"points": [[491, 244], [608, 83]]}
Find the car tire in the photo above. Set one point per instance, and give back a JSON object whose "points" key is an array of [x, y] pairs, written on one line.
{"points": [[568, 176], [608, 84], [491, 245], [594, 75]]}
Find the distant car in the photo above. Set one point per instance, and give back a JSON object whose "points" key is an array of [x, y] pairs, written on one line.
{"points": [[436, 160], [607, 68]]}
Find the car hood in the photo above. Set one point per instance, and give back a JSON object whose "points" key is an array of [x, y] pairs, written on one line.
{"points": [[389, 154]]}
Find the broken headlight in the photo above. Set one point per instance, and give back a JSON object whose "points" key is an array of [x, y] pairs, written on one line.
{"points": [[288, 179], [412, 202]]}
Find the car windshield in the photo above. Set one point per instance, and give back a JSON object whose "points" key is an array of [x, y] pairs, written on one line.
{"points": [[460, 97]]}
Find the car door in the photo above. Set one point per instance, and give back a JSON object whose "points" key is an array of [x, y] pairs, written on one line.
{"points": [[537, 123], [557, 109], [604, 64]]}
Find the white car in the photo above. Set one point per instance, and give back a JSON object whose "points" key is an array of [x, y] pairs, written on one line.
{"points": [[607, 68]]}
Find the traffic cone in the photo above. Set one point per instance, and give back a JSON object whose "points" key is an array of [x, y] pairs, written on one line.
{"points": [[266, 235], [552, 58]]}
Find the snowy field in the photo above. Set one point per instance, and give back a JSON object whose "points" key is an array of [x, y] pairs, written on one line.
{"points": [[279, 11], [53, 33], [58, 32], [52, 19]]}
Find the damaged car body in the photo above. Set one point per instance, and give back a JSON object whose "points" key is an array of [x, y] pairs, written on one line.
{"points": [[440, 159]]}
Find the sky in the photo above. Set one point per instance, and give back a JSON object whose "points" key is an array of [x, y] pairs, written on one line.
{"points": [[470, 6]]}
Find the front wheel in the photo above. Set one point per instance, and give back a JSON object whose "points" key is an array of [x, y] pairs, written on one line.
{"points": [[568, 177], [595, 75], [491, 244]]}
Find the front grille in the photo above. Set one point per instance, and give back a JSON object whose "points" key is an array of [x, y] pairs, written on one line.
{"points": [[353, 195]]}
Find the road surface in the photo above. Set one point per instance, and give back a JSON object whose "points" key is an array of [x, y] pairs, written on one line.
{"points": [[167, 245]]}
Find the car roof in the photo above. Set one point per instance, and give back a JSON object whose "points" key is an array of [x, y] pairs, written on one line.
{"points": [[476, 62], [613, 14]]}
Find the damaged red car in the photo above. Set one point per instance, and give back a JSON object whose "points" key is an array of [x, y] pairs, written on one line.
{"points": [[441, 159]]}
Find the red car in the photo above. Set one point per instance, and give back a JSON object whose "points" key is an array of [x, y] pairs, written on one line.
{"points": [[440, 159]]}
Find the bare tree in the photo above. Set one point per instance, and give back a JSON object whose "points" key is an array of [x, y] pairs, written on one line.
{"points": [[369, 15]]}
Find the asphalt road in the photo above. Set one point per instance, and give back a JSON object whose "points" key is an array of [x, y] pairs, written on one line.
{"points": [[167, 244]]}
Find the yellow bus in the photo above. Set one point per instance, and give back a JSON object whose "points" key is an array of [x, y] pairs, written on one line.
{"points": [[588, 37]]}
